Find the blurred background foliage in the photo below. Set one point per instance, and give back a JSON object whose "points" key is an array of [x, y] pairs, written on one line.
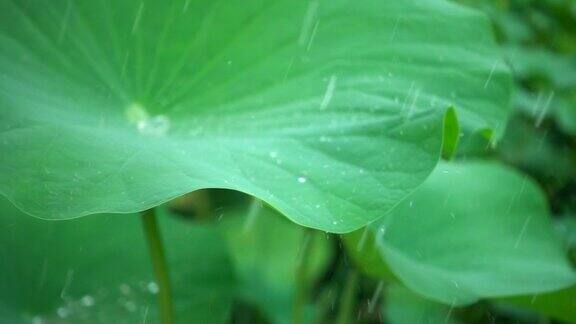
{"points": [[538, 41]]}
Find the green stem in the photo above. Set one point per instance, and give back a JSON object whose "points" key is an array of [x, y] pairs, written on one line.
{"points": [[159, 265], [348, 299], [301, 294]]}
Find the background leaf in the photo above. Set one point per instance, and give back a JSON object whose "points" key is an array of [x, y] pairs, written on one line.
{"points": [[97, 269], [472, 230], [267, 249]]}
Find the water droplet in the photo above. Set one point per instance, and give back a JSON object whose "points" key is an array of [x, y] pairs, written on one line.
{"points": [[146, 124], [87, 300], [302, 179], [325, 139], [273, 154], [130, 306], [125, 289], [456, 284], [63, 312], [152, 287], [155, 126]]}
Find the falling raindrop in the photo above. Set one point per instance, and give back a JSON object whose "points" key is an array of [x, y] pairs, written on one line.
{"points": [[490, 74], [311, 40], [307, 25], [67, 281], [64, 25], [375, 296], [329, 92], [253, 212], [544, 109], [137, 19]]}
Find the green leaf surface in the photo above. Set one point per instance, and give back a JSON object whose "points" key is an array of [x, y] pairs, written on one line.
{"points": [[560, 305], [97, 270], [472, 230], [403, 306], [330, 111], [267, 250]]}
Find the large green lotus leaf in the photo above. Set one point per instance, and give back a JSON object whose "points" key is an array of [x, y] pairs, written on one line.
{"points": [[267, 251], [97, 270], [330, 111], [472, 230], [403, 306]]}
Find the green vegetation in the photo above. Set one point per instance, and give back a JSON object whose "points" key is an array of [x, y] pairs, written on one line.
{"points": [[287, 161]]}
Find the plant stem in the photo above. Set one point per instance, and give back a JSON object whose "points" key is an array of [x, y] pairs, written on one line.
{"points": [[159, 265], [348, 299], [301, 294]]}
